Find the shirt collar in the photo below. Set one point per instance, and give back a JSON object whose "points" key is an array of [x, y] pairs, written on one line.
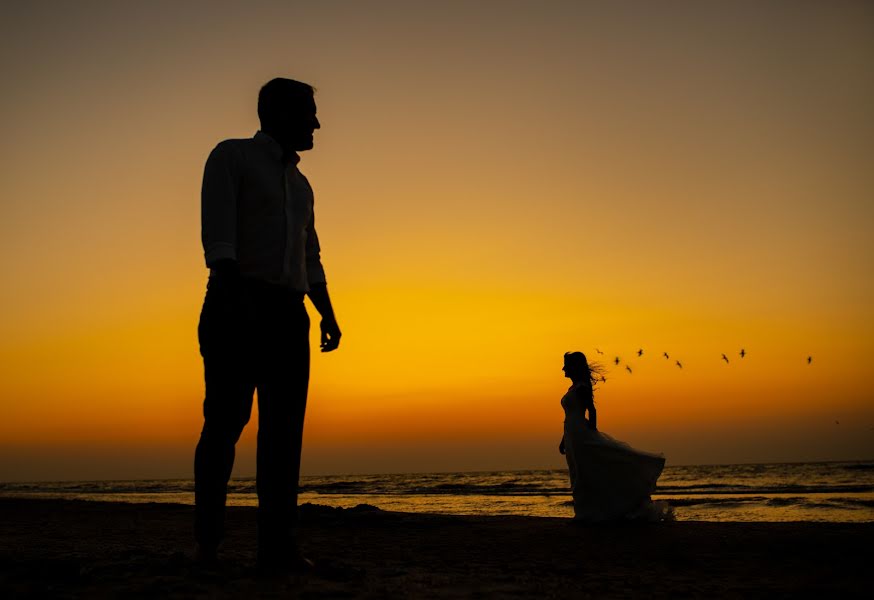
{"points": [[276, 150]]}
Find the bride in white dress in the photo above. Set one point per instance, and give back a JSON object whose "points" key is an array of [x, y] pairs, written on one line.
{"points": [[610, 480]]}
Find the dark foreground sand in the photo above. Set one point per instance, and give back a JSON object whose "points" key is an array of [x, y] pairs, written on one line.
{"points": [[58, 548]]}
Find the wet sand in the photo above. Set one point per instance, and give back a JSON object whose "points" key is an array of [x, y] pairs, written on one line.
{"points": [[62, 548]]}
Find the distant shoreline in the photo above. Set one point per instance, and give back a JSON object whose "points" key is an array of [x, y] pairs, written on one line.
{"points": [[90, 548]]}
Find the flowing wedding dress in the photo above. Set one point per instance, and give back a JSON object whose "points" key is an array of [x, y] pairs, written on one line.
{"points": [[610, 480]]}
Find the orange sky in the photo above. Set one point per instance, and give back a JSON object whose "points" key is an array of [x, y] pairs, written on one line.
{"points": [[495, 185]]}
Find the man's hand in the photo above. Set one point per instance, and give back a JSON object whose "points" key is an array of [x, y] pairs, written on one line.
{"points": [[561, 447], [226, 268], [330, 335], [226, 284], [330, 331]]}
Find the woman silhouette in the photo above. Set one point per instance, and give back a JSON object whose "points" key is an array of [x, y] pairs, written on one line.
{"points": [[610, 480]]}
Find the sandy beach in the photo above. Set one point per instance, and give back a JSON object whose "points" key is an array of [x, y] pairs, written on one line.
{"points": [[62, 548]]}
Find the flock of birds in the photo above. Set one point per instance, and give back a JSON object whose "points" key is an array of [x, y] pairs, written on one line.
{"points": [[667, 356]]}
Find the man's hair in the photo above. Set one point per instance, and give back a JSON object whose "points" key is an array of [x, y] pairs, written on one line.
{"points": [[279, 94]]}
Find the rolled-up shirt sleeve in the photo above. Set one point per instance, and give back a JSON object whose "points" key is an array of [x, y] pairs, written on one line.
{"points": [[315, 270], [218, 205]]}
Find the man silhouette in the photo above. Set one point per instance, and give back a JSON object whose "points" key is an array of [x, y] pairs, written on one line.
{"points": [[262, 251]]}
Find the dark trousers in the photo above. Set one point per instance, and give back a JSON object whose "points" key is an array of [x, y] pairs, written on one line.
{"points": [[253, 335]]}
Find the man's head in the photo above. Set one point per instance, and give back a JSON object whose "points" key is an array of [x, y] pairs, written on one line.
{"points": [[287, 110]]}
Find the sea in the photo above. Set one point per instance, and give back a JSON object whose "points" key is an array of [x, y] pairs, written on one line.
{"points": [[823, 491]]}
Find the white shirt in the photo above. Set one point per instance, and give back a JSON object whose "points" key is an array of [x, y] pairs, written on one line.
{"points": [[258, 210]]}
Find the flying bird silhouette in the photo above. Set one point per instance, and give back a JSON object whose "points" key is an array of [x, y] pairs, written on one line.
{"points": [[603, 379], [679, 364], [598, 351], [627, 368], [809, 359], [725, 358], [616, 361], [666, 355], [743, 352], [640, 352]]}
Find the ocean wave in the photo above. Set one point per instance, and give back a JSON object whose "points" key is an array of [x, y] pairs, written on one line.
{"points": [[544, 489], [445, 489], [697, 488], [768, 489], [721, 501], [838, 503], [859, 467], [842, 503], [100, 487]]}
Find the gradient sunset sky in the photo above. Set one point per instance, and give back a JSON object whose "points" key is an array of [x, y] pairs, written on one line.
{"points": [[496, 183]]}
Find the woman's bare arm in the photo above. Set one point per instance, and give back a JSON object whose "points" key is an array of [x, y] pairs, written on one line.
{"points": [[588, 403], [593, 416]]}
